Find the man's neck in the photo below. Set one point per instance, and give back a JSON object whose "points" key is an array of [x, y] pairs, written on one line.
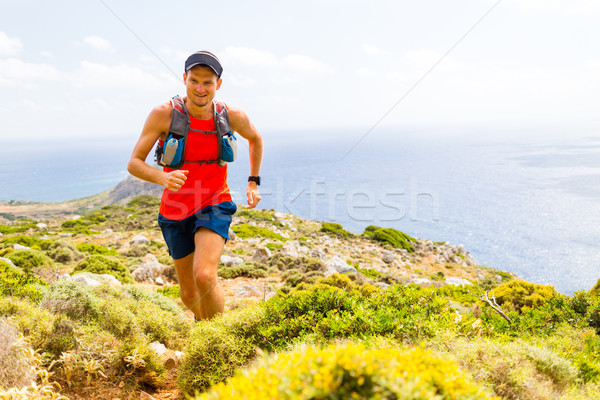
{"points": [[200, 112]]}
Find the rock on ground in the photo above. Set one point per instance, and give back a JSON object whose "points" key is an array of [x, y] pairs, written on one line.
{"points": [[158, 348], [457, 281], [149, 270], [382, 285], [140, 239], [248, 291], [336, 265], [388, 257], [232, 235], [261, 255], [90, 279], [294, 249], [8, 261], [421, 281], [231, 261], [145, 396]]}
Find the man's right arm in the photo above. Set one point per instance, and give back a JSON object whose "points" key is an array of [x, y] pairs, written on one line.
{"points": [[156, 124]]}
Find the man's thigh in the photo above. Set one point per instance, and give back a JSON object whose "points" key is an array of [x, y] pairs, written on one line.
{"points": [[185, 274], [209, 247]]}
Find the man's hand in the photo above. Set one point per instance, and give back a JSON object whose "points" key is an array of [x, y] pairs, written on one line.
{"points": [[174, 180], [253, 194]]}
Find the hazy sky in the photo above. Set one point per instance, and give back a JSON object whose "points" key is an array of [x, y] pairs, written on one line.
{"points": [[91, 69]]}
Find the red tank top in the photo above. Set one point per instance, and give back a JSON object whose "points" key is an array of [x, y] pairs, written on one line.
{"points": [[206, 184]]}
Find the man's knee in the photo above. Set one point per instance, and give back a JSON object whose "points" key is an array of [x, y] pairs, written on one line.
{"points": [[206, 279], [188, 295]]}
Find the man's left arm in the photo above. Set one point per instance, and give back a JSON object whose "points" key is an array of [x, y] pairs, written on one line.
{"points": [[241, 124]]}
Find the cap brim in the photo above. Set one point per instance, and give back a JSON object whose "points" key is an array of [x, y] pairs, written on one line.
{"points": [[204, 64]]}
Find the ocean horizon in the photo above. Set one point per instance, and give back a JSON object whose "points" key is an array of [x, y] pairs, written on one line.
{"points": [[528, 205]]}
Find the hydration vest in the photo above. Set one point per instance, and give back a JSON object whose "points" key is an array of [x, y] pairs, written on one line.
{"points": [[171, 153]]}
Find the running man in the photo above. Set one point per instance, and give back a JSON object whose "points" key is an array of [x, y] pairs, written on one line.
{"points": [[196, 206]]}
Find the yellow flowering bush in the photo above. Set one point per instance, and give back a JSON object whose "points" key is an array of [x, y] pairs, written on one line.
{"points": [[350, 371], [519, 294]]}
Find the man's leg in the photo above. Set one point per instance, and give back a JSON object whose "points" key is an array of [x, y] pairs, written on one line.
{"points": [[209, 247], [187, 284]]}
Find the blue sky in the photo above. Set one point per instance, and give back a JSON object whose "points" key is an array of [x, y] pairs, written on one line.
{"points": [[94, 69]]}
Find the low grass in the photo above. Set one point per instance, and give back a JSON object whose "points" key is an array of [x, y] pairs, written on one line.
{"points": [[391, 236], [246, 231]]}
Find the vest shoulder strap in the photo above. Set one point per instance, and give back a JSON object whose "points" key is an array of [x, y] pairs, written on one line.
{"points": [[180, 121], [222, 124]]}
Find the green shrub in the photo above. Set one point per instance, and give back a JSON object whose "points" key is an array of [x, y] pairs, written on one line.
{"points": [[293, 277], [302, 264], [540, 320], [91, 248], [62, 252], [586, 305], [73, 223], [369, 273], [18, 227], [515, 370], [169, 291], [77, 226], [580, 301], [139, 364], [589, 369], [336, 229], [156, 299], [94, 218], [391, 236], [144, 201], [73, 299], [29, 260], [33, 321], [593, 314], [218, 347], [349, 310], [14, 282], [29, 241], [132, 312], [463, 294], [246, 231], [248, 269], [351, 371], [519, 294], [274, 246], [126, 312], [579, 345], [595, 291], [62, 338], [255, 215], [99, 264]]}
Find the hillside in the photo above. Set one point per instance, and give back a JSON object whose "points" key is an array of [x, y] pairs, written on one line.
{"points": [[91, 306], [127, 189]]}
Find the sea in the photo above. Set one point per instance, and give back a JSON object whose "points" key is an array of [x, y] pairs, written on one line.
{"points": [[523, 200]]}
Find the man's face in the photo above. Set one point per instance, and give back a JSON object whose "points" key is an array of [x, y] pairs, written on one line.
{"points": [[201, 84]]}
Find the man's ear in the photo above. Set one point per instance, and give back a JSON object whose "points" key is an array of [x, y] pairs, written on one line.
{"points": [[184, 77], [219, 81]]}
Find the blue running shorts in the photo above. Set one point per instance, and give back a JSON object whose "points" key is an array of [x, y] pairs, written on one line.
{"points": [[179, 235]]}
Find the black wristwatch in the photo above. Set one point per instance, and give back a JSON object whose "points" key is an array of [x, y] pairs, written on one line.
{"points": [[254, 179]]}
